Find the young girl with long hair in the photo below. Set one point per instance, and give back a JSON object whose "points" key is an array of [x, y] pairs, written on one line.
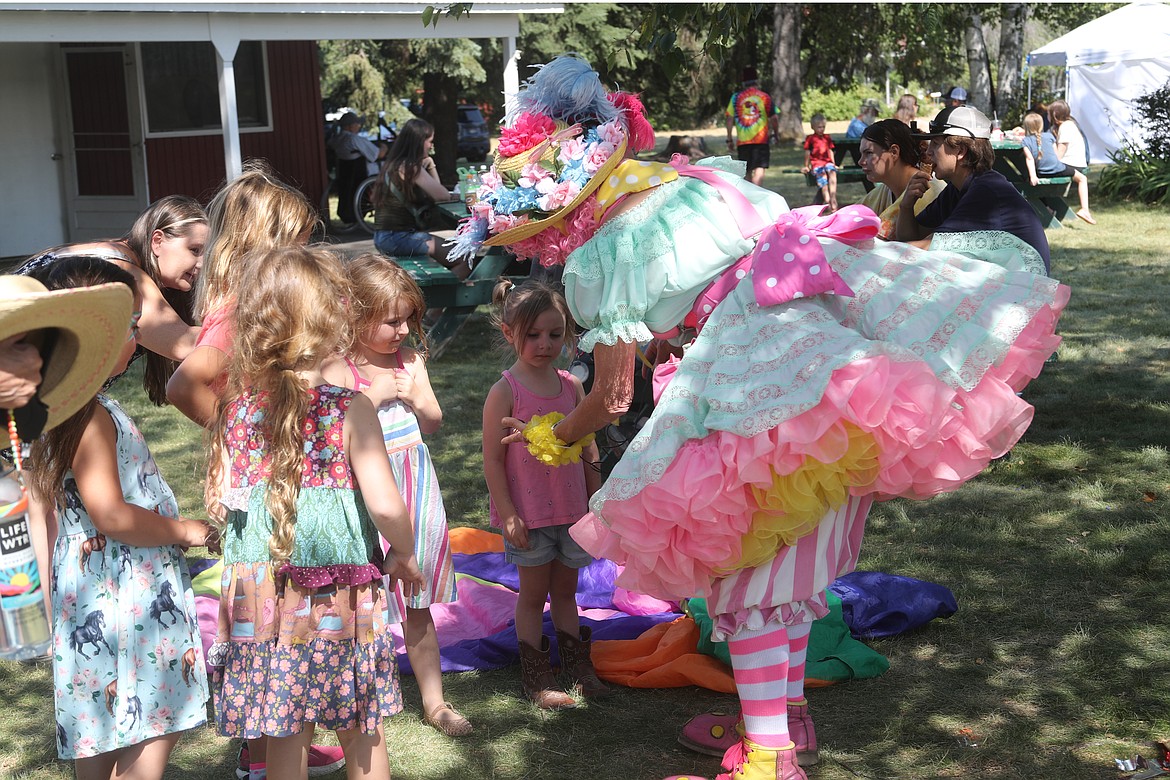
{"points": [[407, 183], [387, 308], [1043, 158], [301, 487], [534, 499], [128, 668], [253, 212]]}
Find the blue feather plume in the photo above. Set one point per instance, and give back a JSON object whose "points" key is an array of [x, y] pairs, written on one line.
{"points": [[567, 89], [465, 244]]}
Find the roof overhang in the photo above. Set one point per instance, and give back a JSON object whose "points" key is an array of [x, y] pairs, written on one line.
{"points": [[101, 22]]}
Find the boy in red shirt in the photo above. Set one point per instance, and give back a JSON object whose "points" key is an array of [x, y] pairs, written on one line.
{"points": [[818, 160]]}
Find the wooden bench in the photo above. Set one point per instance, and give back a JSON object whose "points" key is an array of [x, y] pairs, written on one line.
{"points": [[458, 298]]}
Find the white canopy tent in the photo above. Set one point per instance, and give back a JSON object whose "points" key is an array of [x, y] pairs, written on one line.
{"points": [[1108, 63]]}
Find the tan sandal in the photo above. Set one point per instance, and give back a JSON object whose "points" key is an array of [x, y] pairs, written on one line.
{"points": [[458, 726]]}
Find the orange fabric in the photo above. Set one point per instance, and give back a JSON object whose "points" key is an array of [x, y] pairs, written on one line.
{"points": [[663, 657], [474, 540]]}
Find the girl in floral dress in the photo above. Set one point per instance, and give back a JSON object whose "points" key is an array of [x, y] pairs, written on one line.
{"points": [[128, 674], [302, 636]]}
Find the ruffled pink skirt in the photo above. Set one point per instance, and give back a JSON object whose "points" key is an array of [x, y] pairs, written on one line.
{"points": [[734, 498]]}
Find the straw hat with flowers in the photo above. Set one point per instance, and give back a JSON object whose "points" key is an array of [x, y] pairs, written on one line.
{"points": [[563, 140]]}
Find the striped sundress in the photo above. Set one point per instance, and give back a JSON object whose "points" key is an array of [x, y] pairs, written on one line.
{"points": [[415, 474]]}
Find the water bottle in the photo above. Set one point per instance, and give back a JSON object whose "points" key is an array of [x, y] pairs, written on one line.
{"points": [[470, 188], [24, 626]]}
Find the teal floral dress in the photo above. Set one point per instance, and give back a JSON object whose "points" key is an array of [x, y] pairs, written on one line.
{"points": [[127, 658], [304, 641]]}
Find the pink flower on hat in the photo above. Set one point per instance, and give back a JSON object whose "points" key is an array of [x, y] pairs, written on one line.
{"points": [[491, 179], [561, 195], [611, 133], [501, 222], [573, 149], [532, 175], [528, 131], [596, 155]]}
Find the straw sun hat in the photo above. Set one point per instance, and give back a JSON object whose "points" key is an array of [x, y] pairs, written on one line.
{"points": [[90, 325], [546, 155]]}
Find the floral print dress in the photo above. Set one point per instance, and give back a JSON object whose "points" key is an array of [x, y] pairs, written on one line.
{"points": [[127, 658], [304, 641]]}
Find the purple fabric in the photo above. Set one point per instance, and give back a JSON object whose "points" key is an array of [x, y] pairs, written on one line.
{"points": [[594, 582], [876, 604], [500, 649]]}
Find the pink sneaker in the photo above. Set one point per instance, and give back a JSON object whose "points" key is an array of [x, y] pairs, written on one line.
{"points": [[712, 733], [323, 760], [800, 727]]}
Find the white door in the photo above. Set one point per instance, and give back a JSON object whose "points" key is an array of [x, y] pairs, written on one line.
{"points": [[106, 161], [32, 201]]}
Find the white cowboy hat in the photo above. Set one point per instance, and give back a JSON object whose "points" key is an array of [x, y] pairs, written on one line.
{"points": [[91, 326]]}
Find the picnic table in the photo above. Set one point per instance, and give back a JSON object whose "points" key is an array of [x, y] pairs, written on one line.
{"points": [[1047, 197], [442, 289]]}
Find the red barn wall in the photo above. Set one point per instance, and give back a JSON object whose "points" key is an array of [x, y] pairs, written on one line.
{"points": [[295, 147]]}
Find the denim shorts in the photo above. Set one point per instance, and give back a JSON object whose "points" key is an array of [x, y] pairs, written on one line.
{"points": [[545, 545], [821, 173], [395, 243]]}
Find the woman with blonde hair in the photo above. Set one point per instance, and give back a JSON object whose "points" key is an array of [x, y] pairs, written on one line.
{"points": [[907, 110]]}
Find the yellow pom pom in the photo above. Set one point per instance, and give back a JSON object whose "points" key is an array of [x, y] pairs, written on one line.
{"points": [[544, 445]]}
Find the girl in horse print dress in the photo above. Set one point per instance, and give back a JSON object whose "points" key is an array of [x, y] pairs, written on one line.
{"points": [[128, 670]]}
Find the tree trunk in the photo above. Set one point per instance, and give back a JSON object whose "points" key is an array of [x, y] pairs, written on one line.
{"points": [[979, 95], [1011, 55], [440, 93], [786, 81]]}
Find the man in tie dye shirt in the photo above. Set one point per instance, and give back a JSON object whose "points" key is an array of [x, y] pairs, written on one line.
{"points": [[752, 120]]}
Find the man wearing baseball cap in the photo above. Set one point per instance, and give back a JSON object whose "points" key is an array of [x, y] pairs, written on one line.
{"points": [[957, 96], [976, 197]]}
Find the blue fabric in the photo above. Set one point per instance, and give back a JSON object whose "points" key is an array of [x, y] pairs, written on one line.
{"points": [[856, 128], [875, 604], [986, 201], [1048, 163], [394, 243]]}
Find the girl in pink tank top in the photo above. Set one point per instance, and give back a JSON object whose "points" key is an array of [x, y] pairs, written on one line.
{"points": [[533, 502]]}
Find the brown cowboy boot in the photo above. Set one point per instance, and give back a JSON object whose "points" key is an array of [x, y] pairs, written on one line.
{"points": [[576, 662], [537, 680]]}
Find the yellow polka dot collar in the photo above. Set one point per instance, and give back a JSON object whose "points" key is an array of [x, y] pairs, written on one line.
{"points": [[632, 176]]}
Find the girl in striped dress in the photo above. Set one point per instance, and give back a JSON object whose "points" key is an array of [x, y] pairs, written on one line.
{"points": [[388, 308]]}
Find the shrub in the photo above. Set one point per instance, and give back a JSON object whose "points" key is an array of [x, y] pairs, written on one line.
{"points": [[1136, 174], [840, 105], [1141, 169]]}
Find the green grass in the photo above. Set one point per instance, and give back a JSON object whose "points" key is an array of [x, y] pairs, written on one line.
{"points": [[1057, 661]]}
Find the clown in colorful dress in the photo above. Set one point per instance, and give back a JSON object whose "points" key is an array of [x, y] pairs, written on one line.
{"points": [[820, 370]]}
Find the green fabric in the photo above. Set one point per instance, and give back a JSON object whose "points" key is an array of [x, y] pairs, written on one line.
{"points": [[642, 270], [333, 527], [833, 654]]}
